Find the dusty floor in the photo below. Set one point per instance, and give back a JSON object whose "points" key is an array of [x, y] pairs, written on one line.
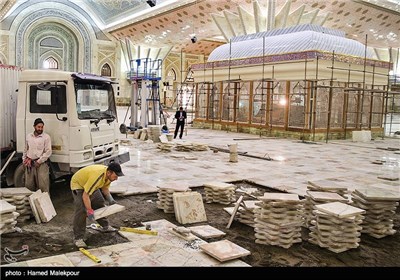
{"points": [[55, 237]]}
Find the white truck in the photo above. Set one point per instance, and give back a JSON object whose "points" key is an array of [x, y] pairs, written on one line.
{"points": [[79, 114]]}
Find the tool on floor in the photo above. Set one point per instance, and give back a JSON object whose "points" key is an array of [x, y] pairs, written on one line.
{"points": [[95, 226], [138, 230], [89, 255]]}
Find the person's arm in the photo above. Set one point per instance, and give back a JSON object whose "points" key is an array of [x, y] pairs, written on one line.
{"points": [[107, 195], [25, 159], [86, 201]]}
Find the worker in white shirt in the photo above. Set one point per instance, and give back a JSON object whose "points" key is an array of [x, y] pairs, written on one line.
{"points": [[35, 158]]}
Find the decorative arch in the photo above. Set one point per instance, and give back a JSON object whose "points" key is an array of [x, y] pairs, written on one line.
{"points": [[106, 70], [64, 46], [171, 74], [51, 54], [76, 35]]}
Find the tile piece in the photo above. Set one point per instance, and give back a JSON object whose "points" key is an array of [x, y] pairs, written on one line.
{"points": [[224, 250], [207, 231], [108, 210], [6, 207], [189, 207], [45, 207], [59, 260], [339, 209], [35, 212], [378, 194]]}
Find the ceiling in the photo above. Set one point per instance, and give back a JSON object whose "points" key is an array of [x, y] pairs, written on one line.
{"points": [[175, 22], [377, 21]]}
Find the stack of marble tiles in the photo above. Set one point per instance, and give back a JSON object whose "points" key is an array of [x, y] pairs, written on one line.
{"points": [[380, 206], [19, 197], [336, 226], [8, 217], [219, 192], [314, 198], [246, 214], [154, 132], [165, 194], [278, 220], [327, 186]]}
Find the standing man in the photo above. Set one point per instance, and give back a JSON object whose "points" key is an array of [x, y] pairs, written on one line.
{"points": [[90, 187], [36, 153], [180, 117]]}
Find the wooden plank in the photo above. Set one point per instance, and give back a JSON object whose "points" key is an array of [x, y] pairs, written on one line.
{"points": [[234, 211]]}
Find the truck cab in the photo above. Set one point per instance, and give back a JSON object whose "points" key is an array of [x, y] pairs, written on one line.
{"points": [[79, 114]]}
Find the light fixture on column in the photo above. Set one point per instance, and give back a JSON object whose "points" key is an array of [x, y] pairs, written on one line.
{"points": [[151, 3]]}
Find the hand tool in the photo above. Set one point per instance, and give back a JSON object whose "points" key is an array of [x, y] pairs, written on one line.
{"points": [[89, 255], [138, 230]]}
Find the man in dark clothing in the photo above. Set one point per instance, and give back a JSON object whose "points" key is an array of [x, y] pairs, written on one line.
{"points": [[180, 117]]}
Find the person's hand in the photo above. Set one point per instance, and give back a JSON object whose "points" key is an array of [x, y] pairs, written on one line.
{"points": [[28, 162], [110, 200], [90, 215], [37, 164]]}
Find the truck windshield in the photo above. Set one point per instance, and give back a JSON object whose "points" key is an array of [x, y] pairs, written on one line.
{"points": [[94, 100]]}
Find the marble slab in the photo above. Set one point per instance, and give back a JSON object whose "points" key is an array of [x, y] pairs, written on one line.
{"points": [[59, 260], [108, 210], [7, 192], [339, 209], [45, 207], [35, 212], [189, 207], [285, 197], [206, 231], [378, 194], [6, 207], [224, 250]]}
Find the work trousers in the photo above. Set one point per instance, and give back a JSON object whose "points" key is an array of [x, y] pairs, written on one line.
{"points": [[37, 177], [181, 125], [79, 224]]}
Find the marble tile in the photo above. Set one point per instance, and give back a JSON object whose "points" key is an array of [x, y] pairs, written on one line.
{"points": [[189, 208], [7, 192], [45, 207], [59, 260], [6, 207], [339, 209], [108, 210], [378, 195], [207, 231], [224, 250]]}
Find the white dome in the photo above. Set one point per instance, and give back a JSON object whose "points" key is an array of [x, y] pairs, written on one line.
{"points": [[290, 43]]}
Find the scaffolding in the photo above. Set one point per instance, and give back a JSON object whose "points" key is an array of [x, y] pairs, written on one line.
{"points": [[145, 75], [347, 106]]}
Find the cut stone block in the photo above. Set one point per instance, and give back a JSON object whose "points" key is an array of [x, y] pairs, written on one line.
{"points": [[339, 209], [45, 207], [224, 250], [35, 212], [107, 211], [378, 194], [206, 231], [7, 192], [189, 207], [6, 207]]}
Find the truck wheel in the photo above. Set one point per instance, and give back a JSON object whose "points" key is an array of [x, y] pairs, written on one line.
{"points": [[19, 176]]}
